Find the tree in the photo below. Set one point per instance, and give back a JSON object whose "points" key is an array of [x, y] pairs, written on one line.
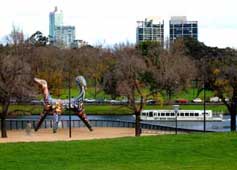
{"points": [[151, 51], [139, 77], [175, 72], [16, 37], [37, 39], [127, 79], [167, 66], [94, 63], [222, 78], [15, 81], [48, 63]]}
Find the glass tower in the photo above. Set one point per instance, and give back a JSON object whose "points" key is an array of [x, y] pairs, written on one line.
{"points": [[181, 28], [55, 20], [152, 29], [64, 36]]}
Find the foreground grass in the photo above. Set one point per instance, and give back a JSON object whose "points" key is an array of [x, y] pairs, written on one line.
{"points": [[171, 152]]}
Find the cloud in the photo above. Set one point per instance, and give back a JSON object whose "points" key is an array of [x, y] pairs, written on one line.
{"points": [[219, 37], [115, 20]]}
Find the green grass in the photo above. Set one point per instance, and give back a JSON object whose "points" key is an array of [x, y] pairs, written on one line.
{"points": [[90, 93], [191, 93], [169, 152], [90, 109], [188, 94]]}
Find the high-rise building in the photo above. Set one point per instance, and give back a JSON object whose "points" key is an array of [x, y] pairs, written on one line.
{"points": [[60, 35], [64, 36], [152, 29], [55, 20], [180, 27]]}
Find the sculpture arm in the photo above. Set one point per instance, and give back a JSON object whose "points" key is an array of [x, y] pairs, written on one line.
{"points": [[44, 89]]}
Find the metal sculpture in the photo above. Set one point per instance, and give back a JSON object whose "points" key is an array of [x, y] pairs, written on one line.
{"points": [[56, 106]]}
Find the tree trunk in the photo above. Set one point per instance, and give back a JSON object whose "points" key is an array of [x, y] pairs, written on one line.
{"points": [[137, 124], [233, 121], [3, 128], [233, 111], [3, 117], [95, 89]]}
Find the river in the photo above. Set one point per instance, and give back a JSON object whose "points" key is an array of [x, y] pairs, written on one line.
{"points": [[198, 125]]}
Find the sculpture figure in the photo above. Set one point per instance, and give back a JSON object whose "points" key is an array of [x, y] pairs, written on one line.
{"points": [[56, 106]]}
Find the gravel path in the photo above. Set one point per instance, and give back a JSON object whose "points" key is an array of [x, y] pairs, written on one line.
{"points": [[63, 134]]}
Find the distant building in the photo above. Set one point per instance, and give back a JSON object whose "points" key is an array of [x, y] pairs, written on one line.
{"points": [[180, 27], [55, 20], [78, 44], [152, 29], [64, 36], [60, 35]]}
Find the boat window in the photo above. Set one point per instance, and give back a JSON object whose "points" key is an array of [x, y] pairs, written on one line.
{"points": [[172, 114], [158, 114], [150, 114], [196, 114], [178, 114], [191, 114], [167, 114], [186, 114], [162, 114], [181, 114], [143, 113]]}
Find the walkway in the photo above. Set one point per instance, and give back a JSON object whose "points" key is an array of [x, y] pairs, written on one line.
{"points": [[63, 134]]}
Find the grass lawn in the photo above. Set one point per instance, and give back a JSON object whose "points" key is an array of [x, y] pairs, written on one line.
{"points": [[191, 93], [90, 93], [188, 94], [216, 151]]}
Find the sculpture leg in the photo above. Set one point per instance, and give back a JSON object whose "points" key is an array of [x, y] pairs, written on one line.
{"points": [[83, 117], [55, 122], [41, 121]]}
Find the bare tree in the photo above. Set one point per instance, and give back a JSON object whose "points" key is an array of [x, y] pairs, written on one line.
{"points": [[15, 74], [127, 75], [15, 78], [175, 72], [94, 63], [170, 70], [139, 77]]}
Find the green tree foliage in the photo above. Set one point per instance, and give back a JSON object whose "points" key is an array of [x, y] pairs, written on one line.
{"points": [[217, 70], [222, 78], [151, 50], [37, 39]]}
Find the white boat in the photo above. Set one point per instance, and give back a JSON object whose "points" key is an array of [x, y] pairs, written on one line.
{"points": [[182, 115]]}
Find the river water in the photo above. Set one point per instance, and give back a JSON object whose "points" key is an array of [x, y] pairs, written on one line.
{"points": [[198, 125]]}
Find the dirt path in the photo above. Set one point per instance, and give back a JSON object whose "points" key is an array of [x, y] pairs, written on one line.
{"points": [[63, 134]]}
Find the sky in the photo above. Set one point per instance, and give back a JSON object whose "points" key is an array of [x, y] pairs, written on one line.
{"points": [[106, 22]]}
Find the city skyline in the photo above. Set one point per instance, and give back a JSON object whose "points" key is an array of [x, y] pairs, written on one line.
{"points": [[109, 22]]}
